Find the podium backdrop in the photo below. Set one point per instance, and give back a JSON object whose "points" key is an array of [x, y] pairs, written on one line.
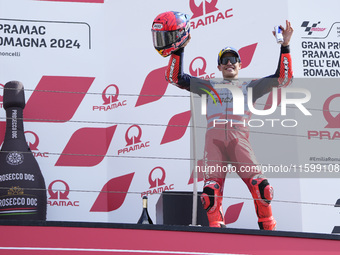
{"points": [[106, 128]]}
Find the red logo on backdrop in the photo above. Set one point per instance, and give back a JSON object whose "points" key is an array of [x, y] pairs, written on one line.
{"points": [[200, 70], [199, 10], [110, 100], [33, 142], [157, 182], [59, 194], [33, 145], [333, 122], [207, 12], [133, 140], [154, 182], [59, 191]]}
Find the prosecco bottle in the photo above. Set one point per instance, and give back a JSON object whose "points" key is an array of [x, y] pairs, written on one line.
{"points": [[22, 186], [145, 218]]}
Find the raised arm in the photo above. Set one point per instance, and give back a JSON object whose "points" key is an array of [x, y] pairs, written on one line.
{"points": [[174, 73]]}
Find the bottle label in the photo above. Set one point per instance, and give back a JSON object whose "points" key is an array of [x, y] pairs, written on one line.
{"points": [[16, 202], [15, 158], [22, 193], [145, 203], [14, 124]]}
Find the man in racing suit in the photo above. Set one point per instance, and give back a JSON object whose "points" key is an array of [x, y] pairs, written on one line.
{"points": [[230, 144]]}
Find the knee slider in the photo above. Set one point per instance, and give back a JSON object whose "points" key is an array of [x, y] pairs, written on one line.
{"points": [[211, 195], [265, 189]]}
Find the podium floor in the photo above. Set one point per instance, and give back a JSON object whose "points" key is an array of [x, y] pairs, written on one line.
{"points": [[80, 238]]}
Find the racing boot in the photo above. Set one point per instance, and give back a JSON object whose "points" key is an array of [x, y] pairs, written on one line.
{"points": [[212, 202], [263, 194]]}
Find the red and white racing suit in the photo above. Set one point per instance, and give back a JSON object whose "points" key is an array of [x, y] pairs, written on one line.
{"points": [[229, 143]]}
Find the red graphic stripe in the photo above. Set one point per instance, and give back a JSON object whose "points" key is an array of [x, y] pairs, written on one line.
{"points": [[154, 87], [2, 131], [232, 213], [246, 54], [176, 127], [113, 194], [76, 1], [56, 98], [87, 147]]}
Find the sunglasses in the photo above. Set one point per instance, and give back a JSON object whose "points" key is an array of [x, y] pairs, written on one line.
{"points": [[232, 60]]}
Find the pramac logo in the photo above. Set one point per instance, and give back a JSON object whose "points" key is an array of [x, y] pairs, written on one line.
{"points": [[198, 68], [59, 191], [199, 10], [59, 194], [207, 13], [130, 140], [110, 100], [33, 142], [133, 140], [157, 182], [332, 122]]}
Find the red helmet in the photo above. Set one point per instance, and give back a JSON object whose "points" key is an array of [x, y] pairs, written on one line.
{"points": [[170, 30]]}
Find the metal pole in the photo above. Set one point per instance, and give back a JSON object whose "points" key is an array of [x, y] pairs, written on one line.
{"points": [[194, 174]]}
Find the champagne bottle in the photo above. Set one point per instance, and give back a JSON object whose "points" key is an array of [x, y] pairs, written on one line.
{"points": [[145, 218], [22, 186]]}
